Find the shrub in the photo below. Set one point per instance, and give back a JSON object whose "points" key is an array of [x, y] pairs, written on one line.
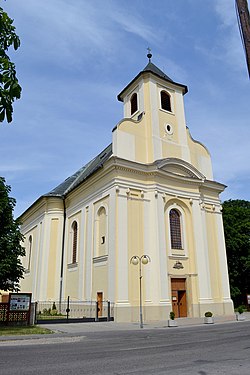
{"points": [[240, 309], [172, 315], [208, 314]]}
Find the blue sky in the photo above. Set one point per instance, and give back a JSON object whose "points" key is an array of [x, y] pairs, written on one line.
{"points": [[76, 56]]}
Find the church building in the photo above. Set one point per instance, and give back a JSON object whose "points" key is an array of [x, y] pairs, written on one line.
{"points": [[148, 202]]}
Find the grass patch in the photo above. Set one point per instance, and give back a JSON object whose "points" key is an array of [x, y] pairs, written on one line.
{"points": [[23, 330]]}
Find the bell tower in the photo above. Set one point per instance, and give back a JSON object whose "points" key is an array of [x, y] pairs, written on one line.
{"points": [[154, 126]]}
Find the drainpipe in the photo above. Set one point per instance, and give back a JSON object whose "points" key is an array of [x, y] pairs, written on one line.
{"points": [[62, 258]]}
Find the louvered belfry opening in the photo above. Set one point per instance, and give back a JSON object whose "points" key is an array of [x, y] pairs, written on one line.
{"points": [[165, 101], [133, 103]]}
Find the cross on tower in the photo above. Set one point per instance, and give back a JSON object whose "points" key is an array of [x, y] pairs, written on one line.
{"points": [[149, 55]]}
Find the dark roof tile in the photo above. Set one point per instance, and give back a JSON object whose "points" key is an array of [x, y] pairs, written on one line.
{"points": [[81, 175]]}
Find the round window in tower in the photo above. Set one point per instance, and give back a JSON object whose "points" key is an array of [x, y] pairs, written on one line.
{"points": [[169, 129]]}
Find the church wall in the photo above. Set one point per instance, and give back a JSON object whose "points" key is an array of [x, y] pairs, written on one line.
{"points": [[71, 270], [91, 273], [52, 256], [200, 157], [29, 261], [186, 255], [101, 248], [44, 221]]}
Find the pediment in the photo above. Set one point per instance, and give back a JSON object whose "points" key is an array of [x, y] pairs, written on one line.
{"points": [[179, 168]]}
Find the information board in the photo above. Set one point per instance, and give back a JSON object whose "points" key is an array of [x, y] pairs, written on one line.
{"points": [[20, 301]]}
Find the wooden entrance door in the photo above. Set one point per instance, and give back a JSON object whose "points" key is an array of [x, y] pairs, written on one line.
{"points": [[179, 301], [99, 303]]}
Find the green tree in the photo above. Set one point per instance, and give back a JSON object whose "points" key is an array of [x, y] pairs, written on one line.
{"points": [[236, 218], [11, 269], [10, 90]]}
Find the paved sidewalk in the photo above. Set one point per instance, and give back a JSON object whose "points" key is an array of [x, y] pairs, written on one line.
{"points": [[77, 328], [71, 329]]}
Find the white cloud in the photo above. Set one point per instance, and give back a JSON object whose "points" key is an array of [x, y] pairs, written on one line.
{"points": [[226, 12]]}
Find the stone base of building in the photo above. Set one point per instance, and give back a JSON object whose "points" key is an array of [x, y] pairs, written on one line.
{"points": [[125, 313]]}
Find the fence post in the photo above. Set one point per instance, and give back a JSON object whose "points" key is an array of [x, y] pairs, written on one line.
{"points": [[96, 312], [36, 305], [108, 317], [68, 310]]}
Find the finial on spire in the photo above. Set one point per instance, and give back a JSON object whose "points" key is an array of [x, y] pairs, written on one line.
{"points": [[149, 55]]}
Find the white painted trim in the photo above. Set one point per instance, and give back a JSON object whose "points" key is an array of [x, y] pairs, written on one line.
{"points": [[81, 257], [223, 269], [163, 262], [122, 251], [155, 136], [111, 245], [89, 252], [71, 220], [171, 93], [201, 251], [147, 269], [184, 250], [96, 229]]}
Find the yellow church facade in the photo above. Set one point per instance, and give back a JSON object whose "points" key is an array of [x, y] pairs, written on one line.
{"points": [[150, 192]]}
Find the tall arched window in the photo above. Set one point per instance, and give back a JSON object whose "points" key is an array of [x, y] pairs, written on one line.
{"points": [[165, 101], [74, 241], [175, 229], [29, 253], [133, 103]]}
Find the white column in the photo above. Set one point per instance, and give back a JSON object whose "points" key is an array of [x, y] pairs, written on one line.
{"points": [[111, 245], [162, 248], [89, 252], [122, 250], [44, 259], [201, 251], [147, 273], [157, 143], [58, 255], [182, 132], [81, 257], [37, 262], [223, 259]]}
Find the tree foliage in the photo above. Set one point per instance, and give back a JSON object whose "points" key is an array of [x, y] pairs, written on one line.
{"points": [[10, 90], [236, 218], [11, 269]]}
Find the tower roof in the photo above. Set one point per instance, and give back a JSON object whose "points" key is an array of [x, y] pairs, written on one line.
{"points": [[153, 69]]}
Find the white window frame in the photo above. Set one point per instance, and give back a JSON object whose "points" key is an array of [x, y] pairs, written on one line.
{"points": [[177, 252]]}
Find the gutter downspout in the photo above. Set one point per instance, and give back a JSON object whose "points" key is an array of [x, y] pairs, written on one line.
{"points": [[62, 258]]}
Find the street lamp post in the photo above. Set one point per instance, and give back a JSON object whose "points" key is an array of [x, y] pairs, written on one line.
{"points": [[144, 259]]}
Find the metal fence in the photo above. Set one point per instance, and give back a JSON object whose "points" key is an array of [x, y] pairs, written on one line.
{"points": [[74, 310]]}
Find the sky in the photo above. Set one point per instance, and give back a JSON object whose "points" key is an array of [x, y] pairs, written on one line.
{"points": [[76, 56]]}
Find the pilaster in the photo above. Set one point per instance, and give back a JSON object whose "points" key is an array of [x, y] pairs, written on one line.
{"points": [[201, 250]]}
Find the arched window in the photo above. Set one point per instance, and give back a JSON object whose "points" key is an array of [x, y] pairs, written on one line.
{"points": [[102, 231], [165, 101], [29, 253], [175, 229], [74, 241], [133, 103]]}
